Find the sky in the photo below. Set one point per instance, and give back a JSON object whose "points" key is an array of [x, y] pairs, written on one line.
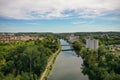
{"points": [[59, 15]]}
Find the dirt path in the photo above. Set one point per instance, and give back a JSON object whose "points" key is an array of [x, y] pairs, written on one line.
{"points": [[48, 65]]}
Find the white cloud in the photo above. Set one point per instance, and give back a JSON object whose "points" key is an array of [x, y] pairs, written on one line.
{"points": [[42, 9], [82, 22]]}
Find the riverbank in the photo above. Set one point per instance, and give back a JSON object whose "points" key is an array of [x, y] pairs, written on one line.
{"points": [[99, 64], [67, 65], [48, 67]]}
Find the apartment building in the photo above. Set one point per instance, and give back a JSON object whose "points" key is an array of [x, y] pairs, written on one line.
{"points": [[92, 44]]}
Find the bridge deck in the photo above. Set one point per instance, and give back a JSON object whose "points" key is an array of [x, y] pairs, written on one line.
{"points": [[65, 45], [67, 49]]}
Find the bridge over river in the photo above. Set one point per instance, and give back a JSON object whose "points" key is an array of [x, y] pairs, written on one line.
{"points": [[67, 49], [67, 45]]}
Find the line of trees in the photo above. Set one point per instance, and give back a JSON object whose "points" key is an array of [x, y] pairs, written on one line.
{"points": [[99, 64], [26, 60]]}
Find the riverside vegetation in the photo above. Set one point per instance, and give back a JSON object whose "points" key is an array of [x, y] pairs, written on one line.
{"points": [[100, 64], [26, 60]]}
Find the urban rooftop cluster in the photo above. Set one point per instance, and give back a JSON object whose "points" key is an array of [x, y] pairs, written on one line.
{"points": [[10, 37]]}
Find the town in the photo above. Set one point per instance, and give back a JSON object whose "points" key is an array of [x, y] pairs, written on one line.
{"points": [[10, 37]]}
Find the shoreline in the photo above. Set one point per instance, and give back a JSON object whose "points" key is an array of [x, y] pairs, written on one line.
{"points": [[48, 67]]}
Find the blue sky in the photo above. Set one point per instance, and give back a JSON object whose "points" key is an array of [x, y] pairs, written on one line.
{"points": [[59, 16]]}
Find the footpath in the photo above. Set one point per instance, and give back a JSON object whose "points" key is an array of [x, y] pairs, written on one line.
{"points": [[51, 59]]}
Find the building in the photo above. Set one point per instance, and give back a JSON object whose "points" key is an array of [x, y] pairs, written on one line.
{"points": [[13, 38], [92, 44], [73, 38]]}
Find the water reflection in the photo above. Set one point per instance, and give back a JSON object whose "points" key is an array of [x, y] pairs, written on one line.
{"points": [[67, 66]]}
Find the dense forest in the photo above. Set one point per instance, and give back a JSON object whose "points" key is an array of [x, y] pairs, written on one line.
{"points": [[26, 60], [100, 64]]}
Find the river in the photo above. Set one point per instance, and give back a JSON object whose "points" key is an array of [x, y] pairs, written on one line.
{"points": [[67, 66]]}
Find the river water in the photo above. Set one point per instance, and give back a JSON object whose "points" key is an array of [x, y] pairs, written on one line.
{"points": [[67, 66]]}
